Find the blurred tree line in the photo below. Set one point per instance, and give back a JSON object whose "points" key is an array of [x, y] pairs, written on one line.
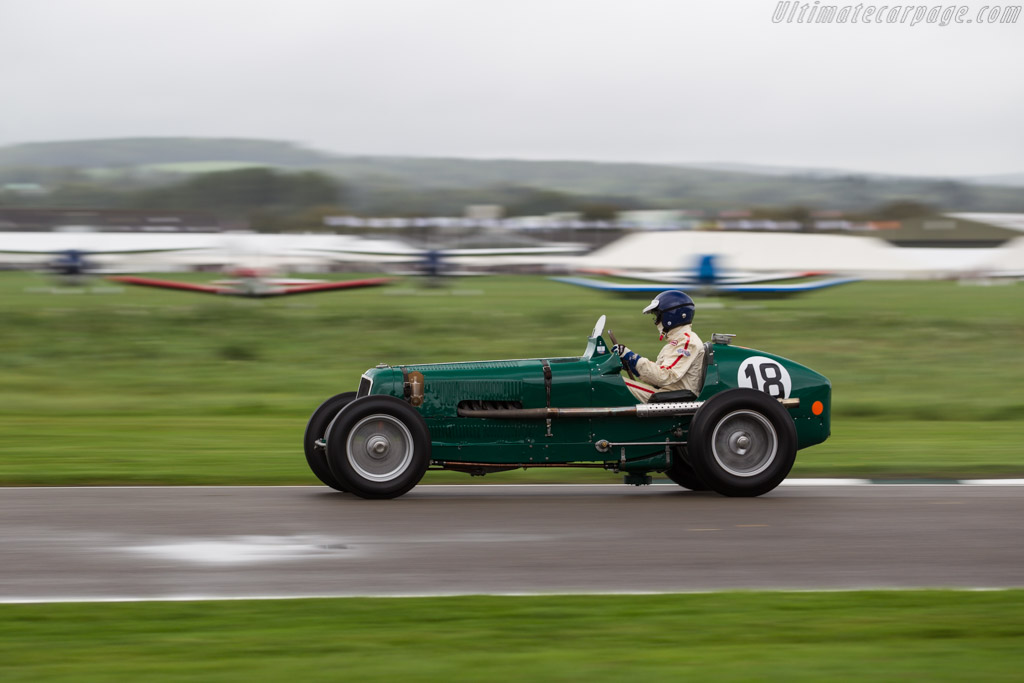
{"points": [[270, 199], [266, 198]]}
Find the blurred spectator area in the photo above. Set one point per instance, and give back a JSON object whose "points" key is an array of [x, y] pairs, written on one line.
{"points": [[113, 220]]}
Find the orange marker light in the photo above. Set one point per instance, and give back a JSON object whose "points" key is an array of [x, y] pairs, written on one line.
{"points": [[817, 407]]}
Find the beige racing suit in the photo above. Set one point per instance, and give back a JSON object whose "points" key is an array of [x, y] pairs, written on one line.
{"points": [[678, 366]]}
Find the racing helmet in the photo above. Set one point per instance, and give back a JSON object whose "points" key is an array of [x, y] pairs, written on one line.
{"points": [[671, 309]]}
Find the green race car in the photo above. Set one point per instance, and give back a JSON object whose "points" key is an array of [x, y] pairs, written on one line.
{"points": [[738, 437]]}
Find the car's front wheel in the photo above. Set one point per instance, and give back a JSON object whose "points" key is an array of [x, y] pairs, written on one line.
{"points": [[378, 447], [742, 443], [312, 440]]}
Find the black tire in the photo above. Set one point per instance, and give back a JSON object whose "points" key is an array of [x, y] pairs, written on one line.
{"points": [[742, 443], [681, 472], [316, 428], [378, 447]]}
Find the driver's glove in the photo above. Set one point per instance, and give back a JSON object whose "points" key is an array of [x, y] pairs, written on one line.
{"points": [[629, 358]]}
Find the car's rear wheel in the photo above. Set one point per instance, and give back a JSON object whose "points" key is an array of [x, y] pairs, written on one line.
{"points": [[316, 428], [378, 447], [742, 443], [682, 473]]}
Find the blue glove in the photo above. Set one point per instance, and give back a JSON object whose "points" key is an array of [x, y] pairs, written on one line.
{"points": [[629, 358]]}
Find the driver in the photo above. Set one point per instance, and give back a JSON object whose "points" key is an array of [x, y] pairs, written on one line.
{"points": [[679, 364]]}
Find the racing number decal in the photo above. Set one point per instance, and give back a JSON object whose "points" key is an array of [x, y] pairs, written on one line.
{"points": [[765, 374]]}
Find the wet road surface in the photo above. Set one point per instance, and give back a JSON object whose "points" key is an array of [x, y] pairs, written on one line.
{"points": [[178, 542]]}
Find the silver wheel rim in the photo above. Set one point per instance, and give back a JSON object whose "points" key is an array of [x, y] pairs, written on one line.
{"points": [[744, 443], [379, 447]]}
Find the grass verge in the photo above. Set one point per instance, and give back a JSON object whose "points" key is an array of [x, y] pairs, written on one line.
{"points": [[919, 635]]}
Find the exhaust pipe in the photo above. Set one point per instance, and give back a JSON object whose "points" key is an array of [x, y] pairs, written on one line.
{"points": [[639, 410]]}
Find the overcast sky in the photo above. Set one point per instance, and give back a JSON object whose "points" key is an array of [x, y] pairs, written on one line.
{"points": [[637, 80]]}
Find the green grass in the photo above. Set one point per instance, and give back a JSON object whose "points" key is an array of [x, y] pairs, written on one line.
{"points": [[915, 635], [149, 386]]}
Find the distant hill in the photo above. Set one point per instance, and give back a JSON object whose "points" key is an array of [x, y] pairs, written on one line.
{"points": [[765, 169], [377, 182], [679, 187], [1009, 179], [128, 152]]}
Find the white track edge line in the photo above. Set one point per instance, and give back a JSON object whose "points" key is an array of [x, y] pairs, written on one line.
{"points": [[499, 594]]}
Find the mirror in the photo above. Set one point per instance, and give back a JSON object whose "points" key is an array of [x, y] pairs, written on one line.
{"points": [[599, 327]]}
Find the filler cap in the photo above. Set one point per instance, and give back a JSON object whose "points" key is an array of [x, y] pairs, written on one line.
{"points": [[719, 338]]}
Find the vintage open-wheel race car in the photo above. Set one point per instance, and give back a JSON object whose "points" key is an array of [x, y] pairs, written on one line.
{"points": [[738, 437]]}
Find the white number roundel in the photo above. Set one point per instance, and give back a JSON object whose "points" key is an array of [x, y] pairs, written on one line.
{"points": [[765, 374]]}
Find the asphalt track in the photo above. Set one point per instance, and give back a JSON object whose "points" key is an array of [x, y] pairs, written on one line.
{"points": [[234, 542]]}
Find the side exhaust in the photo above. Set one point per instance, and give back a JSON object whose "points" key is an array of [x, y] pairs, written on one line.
{"points": [[639, 410]]}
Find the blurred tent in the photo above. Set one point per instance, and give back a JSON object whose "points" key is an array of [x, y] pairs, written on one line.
{"points": [[1007, 262], [754, 253], [156, 252], [96, 251], [295, 252], [859, 256], [484, 250]]}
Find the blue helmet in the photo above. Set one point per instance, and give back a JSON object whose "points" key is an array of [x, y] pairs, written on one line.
{"points": [[671, 308]]}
